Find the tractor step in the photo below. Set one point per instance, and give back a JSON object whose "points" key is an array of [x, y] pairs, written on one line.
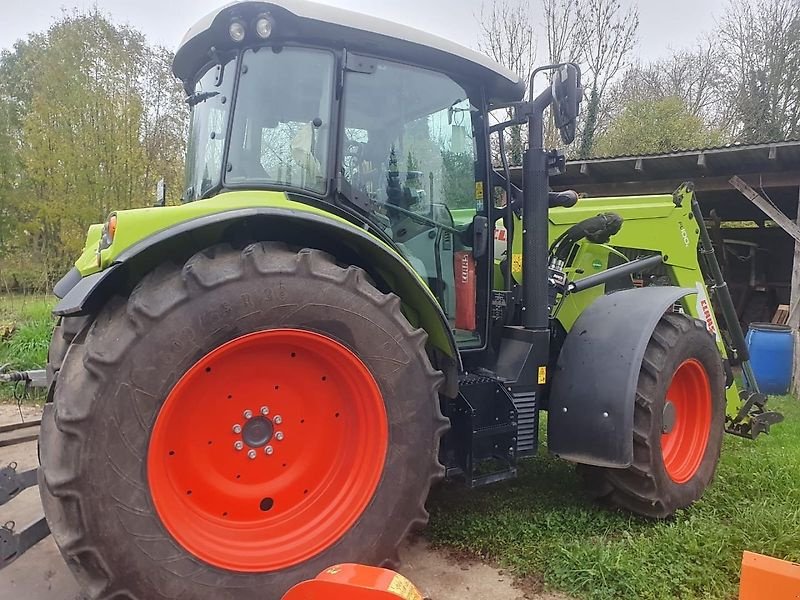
{"points": [[483, 438]]}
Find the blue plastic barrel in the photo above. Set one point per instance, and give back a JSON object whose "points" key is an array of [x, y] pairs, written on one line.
{"points": [[771, 351]]}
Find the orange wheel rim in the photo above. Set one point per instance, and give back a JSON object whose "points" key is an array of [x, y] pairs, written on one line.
{"points": [[268, 450], [686, 421]]}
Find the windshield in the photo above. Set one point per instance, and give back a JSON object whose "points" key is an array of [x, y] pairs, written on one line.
{"points": [[210, 104], [409, 152], [281, 124]]}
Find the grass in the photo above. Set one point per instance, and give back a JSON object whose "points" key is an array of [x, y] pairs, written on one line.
{"points": [[26, 325], [542, 526]]}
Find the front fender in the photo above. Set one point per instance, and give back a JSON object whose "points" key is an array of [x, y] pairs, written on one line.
{"points": [[590, 418], [349, 243]]}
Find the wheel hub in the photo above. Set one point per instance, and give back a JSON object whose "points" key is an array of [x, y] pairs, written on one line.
{"points": [[668, 417], [258, 431]]}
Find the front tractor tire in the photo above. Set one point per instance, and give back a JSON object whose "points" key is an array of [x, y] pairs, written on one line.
{"points": [[236, 425], [679, 418]]}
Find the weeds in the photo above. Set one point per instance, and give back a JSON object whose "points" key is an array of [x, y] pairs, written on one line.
{"points": [[26, 325]]}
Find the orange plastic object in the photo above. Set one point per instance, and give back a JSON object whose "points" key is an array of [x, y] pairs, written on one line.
{"points": [[355, 582], [767, 578], [466, 290], [268, 450]]}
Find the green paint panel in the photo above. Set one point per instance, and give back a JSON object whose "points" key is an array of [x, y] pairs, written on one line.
{"points": [[136, 225]]}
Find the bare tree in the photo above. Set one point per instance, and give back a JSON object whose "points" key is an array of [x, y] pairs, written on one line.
{"points": [[507, 35], [563, 30], [695, 76], [761, 42], [563, 35], [609, 36]]}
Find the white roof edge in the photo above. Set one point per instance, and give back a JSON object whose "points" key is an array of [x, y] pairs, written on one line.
{"points": [[354, 20]]}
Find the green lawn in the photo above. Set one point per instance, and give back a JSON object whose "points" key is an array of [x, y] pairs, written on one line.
{"points": [[542, 526], [25, 328]]}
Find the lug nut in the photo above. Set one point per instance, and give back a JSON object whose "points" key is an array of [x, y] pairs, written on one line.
{"points": [[251, 454], [279, 436], [248, 414], [277, 420], [238, 444], [237, 428], [268, 450], [264, 411]]}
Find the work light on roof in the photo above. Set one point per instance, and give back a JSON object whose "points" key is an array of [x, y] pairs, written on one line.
{"points": [[264, 25], [236, 31]]}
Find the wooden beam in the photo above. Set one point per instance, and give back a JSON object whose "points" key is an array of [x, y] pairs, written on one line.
{"points": [[578, 182], [769, 209], [794, 308]]}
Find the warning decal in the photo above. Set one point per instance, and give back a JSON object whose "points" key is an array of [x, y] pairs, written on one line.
{"points": [[403, 588]]}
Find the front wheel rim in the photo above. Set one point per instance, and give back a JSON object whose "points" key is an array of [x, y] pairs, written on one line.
{"points": [[683, 447], [268, 450]]}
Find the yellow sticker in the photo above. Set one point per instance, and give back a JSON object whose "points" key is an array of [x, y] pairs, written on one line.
{"points": [[403, 588], [542, 375], [478, 190], [516, 263]]}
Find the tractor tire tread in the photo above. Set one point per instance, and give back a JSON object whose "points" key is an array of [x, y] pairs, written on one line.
{"points": [[92, 359]]}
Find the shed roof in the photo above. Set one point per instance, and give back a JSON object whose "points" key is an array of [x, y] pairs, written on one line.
{"points": [[773, 167]]}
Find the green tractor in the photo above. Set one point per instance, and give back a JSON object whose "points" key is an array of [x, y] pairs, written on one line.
{"points": [[352, 303]]}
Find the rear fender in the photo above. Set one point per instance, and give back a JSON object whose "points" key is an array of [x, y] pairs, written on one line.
{"points": [[592, 397], [348, 243]]}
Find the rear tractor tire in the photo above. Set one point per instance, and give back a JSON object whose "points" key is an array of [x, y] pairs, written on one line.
{"points": [[679, 419], [236, 425]]}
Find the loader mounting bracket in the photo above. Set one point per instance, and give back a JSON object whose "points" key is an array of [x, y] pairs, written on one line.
{"points": [[752, 419]]}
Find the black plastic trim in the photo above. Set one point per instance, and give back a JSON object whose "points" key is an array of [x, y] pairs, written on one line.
{"points": [[66, 283]]}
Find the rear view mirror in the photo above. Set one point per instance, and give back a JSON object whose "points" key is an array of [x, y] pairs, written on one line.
{"points": [[567, 95]]}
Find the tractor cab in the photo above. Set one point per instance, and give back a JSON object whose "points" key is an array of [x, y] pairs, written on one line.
{"points": [[386, 124]]}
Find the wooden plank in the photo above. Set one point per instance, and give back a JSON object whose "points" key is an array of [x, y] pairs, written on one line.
{"points": [[793, 319], [576, 178], [781, 315], [767, 208]]}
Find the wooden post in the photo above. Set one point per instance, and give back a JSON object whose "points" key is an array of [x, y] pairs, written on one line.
{"points": [[769, 209], [794, 308]]}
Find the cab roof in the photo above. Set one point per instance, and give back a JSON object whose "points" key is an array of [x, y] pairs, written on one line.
{"points": [[310, 22]]}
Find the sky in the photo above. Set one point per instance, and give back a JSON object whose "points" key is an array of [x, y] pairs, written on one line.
{"points": [[664, 24]]}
